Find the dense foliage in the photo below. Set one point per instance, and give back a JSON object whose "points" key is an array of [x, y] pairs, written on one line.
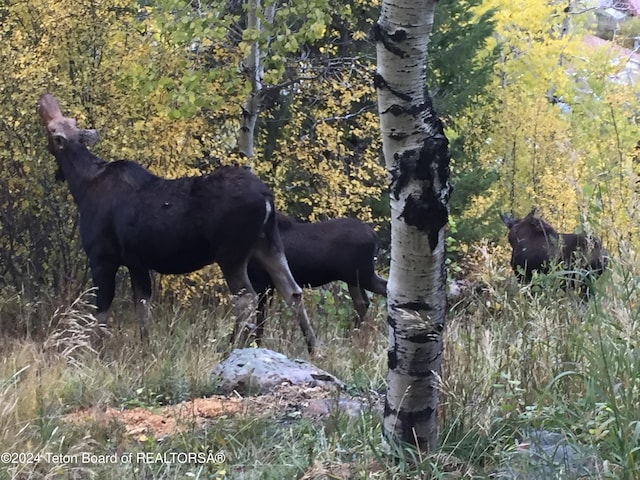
{"points": [[161, 80], [535, 116]]}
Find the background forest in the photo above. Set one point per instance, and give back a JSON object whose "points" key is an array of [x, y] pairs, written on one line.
{"points": [[536, 114], [540, 104]]}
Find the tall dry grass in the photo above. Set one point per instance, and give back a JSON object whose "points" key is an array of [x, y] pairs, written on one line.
{"points": [[516, 358]]}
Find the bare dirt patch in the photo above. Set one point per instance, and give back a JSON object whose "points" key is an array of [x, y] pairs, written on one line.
{"points": [[161, 421], [158, 422]]}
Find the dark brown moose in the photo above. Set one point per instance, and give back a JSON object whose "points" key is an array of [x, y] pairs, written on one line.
{"points": [[536, 246], [341, 249], [130, 217]]}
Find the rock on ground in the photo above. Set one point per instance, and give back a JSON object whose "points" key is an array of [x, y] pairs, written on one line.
{"points": [[546, 455], [253, 371]]}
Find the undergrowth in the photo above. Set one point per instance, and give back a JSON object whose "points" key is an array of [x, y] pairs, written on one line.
{"points": [[517, 359]]}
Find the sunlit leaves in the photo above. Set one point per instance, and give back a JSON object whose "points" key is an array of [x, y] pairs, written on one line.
{"points": [[564, 131], [327, 156], [163, 81]]}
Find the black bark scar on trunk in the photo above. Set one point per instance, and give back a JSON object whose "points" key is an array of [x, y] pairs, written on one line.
{"points": [[426, 210], [392, 359], [381, 84], [421, 369], [412, 417], [417, 370], [427, 337], [407, 421], [414, 306], [408, 437], [378, 34]]}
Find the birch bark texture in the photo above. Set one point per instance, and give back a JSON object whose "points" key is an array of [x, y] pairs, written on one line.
{"points": [[416, 153], [253, 67]]}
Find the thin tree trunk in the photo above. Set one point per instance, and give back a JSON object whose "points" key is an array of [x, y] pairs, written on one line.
{"points": [[417, 158], [254, 68]]}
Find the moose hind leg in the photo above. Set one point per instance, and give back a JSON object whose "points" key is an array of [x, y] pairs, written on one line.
{"points": [[360, 301], [245, 302], [275, 263], [141, 288], [264, 303]]}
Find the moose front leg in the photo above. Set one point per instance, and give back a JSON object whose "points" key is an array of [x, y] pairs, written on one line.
{"points": [[141, 287], [361, 303], [104, 279], [245, 325]]}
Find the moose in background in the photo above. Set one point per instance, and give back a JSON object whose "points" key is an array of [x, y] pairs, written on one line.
{"points": [[537, 246]]}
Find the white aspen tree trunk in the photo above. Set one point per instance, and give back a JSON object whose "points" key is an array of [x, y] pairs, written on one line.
{"points": [[417, 158], [254, 68]]}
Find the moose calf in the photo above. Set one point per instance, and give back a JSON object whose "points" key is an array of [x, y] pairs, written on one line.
{"points": [[341, 249]]}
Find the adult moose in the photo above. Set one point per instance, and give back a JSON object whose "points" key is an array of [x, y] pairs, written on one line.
{"points": [[536, 245], [341, 249], [130, 217]]}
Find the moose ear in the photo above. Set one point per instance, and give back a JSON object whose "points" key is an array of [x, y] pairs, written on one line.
{"points": [[48, 108], [56, 142], [508, 219], [89, 137], [532, 213]]}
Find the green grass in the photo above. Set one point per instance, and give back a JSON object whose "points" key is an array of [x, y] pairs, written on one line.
{"points": [[516, 359]]}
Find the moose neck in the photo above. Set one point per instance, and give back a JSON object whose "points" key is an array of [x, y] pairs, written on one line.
{"points": [[80, 168]]}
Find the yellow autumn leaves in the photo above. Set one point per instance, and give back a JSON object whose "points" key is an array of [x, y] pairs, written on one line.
{"points": [[562, 135]]}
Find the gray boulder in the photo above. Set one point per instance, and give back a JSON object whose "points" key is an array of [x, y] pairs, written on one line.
{"points": [[253, 371], [545, 455]]}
